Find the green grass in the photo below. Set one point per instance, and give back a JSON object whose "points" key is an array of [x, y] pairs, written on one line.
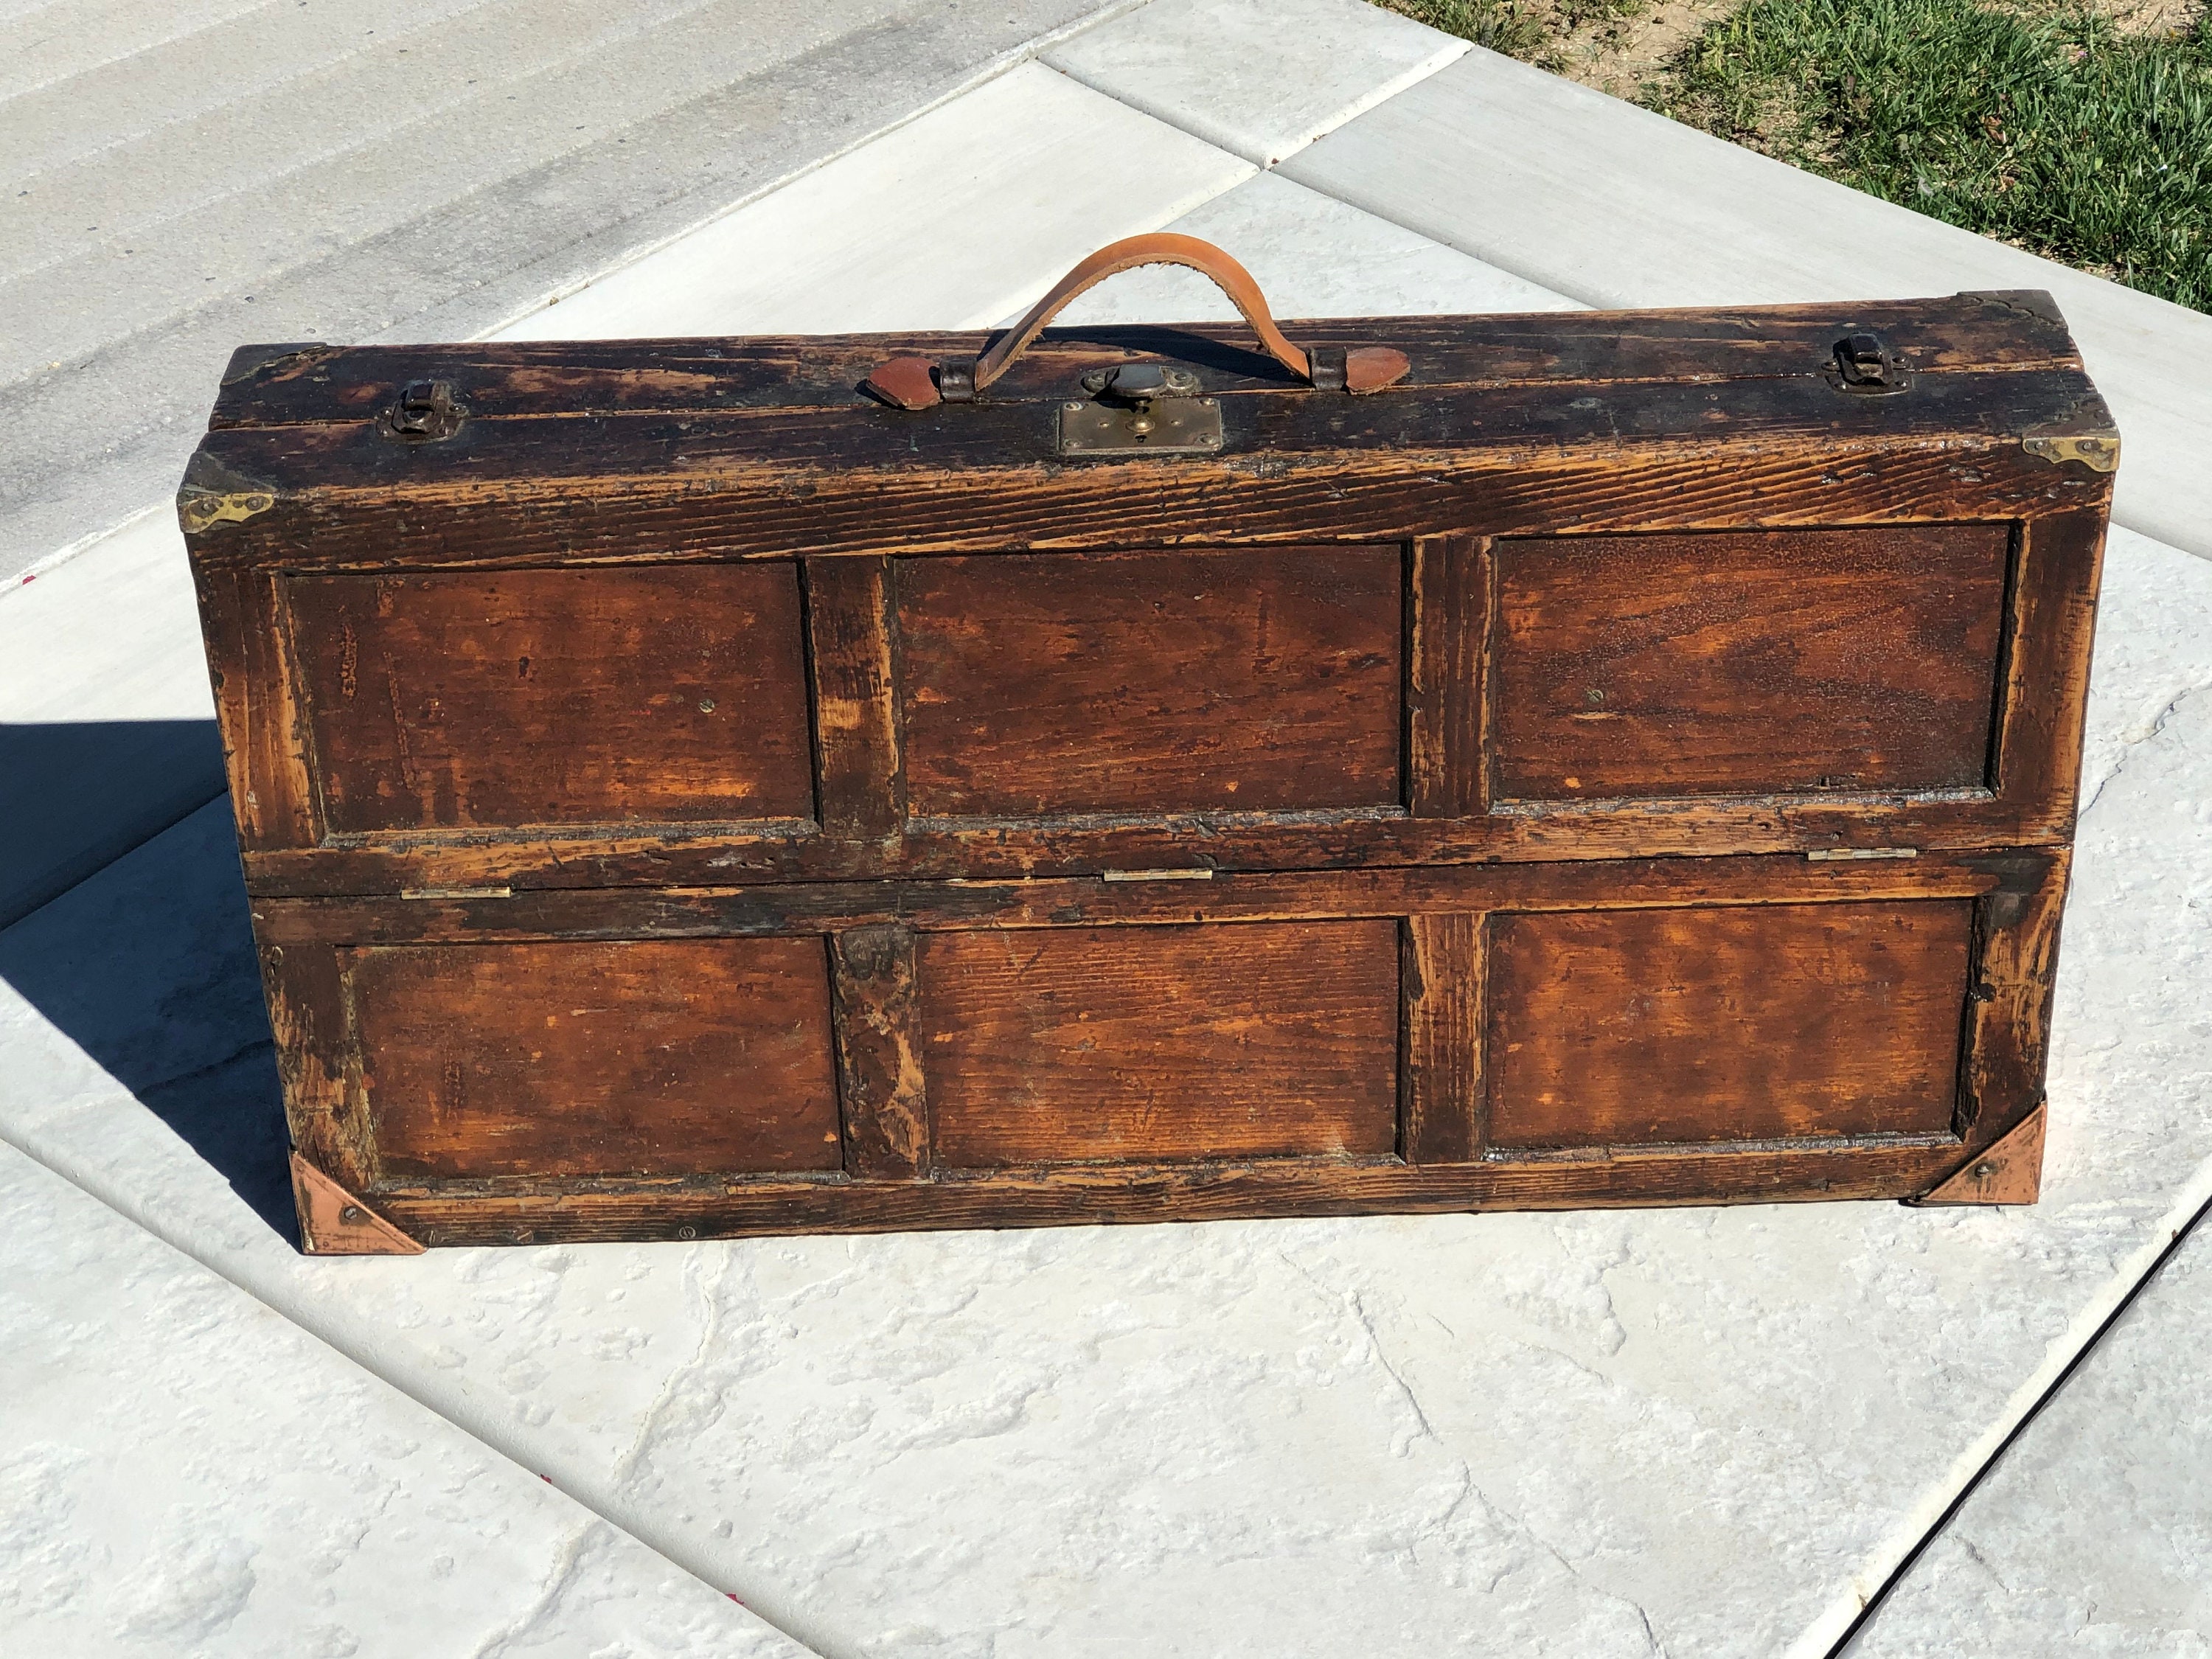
{"points": [[2052, 131], [1500, 25]]}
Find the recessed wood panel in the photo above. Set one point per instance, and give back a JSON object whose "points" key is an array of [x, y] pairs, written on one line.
{"points": [[1152, 682], [661, 1057], [1719, 1023], [1746, 663], [669, 694], [1160, 1044]]}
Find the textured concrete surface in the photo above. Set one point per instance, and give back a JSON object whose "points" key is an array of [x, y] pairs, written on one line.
{"points": [[2093, 1534], [1708, 1431], [185, 176], [946, 223], [1313, 256], [1619, 207], [1263, 78], [183, 1471]]}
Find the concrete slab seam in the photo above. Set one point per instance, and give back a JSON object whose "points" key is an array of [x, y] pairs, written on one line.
{"points": [[1449, 52], [1874, 1602], [1827, 1635], [1380, 94], [997, 67], [1002, 65]]}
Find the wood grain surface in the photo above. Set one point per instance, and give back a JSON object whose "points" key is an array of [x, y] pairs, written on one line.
{"points": [[1294, 467], [1617, 765], [1123, 934], [1699, 1024], [554, 696], [1760, 663], [1154, 1044], [647, 1058], [1152, 682]]}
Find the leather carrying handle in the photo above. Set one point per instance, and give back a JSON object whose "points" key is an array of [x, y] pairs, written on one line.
{"points": [[915, 383], [1160, 248]]}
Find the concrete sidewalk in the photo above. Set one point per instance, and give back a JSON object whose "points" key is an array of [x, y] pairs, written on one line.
{"points": [[183, 177], [1708, 1432]]}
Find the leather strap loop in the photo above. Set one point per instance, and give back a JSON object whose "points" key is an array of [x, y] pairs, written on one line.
{"points": [[917, 382], [1160, 248]]}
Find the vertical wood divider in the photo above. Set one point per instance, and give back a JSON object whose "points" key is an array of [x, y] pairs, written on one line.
{"points": [[2012, 978], [875, 1005], [2057, 565], [859, 773], [1441, 1061], [1448, 631], [310, 1016], [257, 692]]}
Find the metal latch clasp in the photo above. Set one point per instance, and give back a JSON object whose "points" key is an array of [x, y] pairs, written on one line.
{"points": [[1141, 409], [425, 410], [1862, 363]]}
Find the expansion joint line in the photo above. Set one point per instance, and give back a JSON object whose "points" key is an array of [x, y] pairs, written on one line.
{"points": [[1972, 1484]]}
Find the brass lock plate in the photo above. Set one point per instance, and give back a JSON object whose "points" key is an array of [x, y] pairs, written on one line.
{"points": [[1164, 425]]}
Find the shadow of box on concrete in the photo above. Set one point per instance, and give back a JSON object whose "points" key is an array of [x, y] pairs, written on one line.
{"points": [[1405, 765]]}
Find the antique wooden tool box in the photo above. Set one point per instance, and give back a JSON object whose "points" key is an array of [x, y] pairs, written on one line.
{"points": [[697, 788]]}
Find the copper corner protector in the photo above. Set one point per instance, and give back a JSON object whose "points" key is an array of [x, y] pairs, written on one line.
{"points": [[2010, 1170], [333, 1222]]}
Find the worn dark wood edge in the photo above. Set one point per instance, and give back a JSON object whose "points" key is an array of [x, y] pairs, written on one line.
{"points": [[2057, 572], [829, 907], [1688, 460], [280, 385], [264, 728], [2008, 688], [883, 1099], [1697, 827], [1080, 1196], [2015, 971], [310, 1020]]}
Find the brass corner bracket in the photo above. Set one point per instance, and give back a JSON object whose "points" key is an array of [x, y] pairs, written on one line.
{"points": [[2098, 451], [213, 494], [333, 1222], [2010, 1170]]}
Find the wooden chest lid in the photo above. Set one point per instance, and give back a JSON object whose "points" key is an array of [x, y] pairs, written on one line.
{"points": [[789, 444]]}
